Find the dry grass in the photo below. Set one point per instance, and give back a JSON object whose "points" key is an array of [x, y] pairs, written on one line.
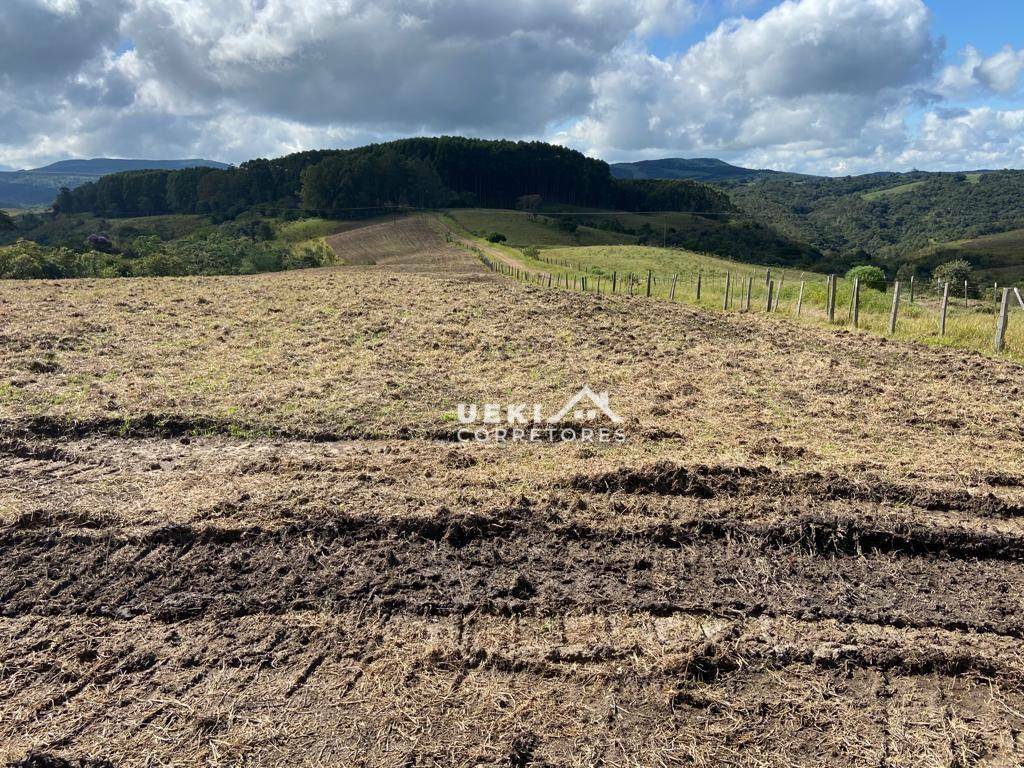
{"points": [[970, 325], [235, 530]]}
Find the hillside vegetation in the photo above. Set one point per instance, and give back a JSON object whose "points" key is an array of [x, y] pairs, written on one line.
{"points": [[907, 224], [996, 258], [427, 172], [726, 235], [892, 219], [156, 246]]}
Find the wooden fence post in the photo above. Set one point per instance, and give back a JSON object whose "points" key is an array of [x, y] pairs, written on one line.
{"points": [[768, 304], [856, 302], [615, 279], [944, 310], [767, 277], [728, 285], [750, 290], [911, 289], [831, 298], [672, 293], [800, 299], [895, 307], [778, 293], [1004, 310], [648, 283], [699, 276]]}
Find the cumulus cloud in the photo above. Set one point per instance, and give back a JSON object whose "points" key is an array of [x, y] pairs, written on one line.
{"points": [[980, 137], [45, 41], [399, 64], [310, 69], [805, 76], [999, 73], [834, 86]]}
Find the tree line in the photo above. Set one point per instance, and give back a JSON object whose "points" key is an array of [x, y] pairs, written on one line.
{"points": [[422, 172]]}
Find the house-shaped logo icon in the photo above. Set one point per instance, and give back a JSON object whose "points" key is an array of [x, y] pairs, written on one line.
{"points": [[586, 405]]}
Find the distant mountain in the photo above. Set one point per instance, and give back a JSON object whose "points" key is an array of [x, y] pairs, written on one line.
{"points": [[101, 166], [706, 169], [39, 186]]}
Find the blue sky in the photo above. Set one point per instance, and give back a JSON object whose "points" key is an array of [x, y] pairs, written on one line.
{"points": [[986, 24], [820, 86]]}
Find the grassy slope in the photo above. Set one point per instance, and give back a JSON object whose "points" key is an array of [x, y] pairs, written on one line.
{"points": [[902, 189], [312, 233], [970, 327], [734, 237], [521, 230], [997, 258]]}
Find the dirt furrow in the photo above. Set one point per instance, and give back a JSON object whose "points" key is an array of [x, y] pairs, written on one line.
{"points": [[537, 571]]}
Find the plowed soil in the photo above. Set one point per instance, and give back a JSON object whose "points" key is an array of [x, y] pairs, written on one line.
{"points": [[236, 528]]}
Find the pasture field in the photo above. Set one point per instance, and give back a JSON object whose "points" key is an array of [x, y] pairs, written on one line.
{"points": [[522, 230], [901, 189], [970, 324], [236, 528]]}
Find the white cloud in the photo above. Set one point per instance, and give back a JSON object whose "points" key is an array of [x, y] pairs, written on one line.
{"points": [[959, 139], [833, 86], [806, 76], [400, 64], [309, 68], [999, 73]]}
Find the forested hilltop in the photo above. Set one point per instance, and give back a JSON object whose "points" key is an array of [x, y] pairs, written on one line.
{"points": [[895, 219], [423, 172]]}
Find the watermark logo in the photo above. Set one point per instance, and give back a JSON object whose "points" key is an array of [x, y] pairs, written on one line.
{"points": [[586, 417]]}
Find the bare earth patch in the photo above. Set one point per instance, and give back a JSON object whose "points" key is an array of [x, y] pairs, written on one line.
{"points": [[235, 529]]}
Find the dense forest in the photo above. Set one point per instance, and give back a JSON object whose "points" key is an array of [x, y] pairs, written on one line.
{"points": [[886, 217], [426, 172]]}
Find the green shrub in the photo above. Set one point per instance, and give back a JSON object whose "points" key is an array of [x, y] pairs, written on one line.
{"points": [[159, 264], [205, 252], [870, 277], [26, 260], [531, 252], [496, 237], [953, 272]]}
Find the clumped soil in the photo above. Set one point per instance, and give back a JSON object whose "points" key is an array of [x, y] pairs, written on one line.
{"points": [[796, 559]]}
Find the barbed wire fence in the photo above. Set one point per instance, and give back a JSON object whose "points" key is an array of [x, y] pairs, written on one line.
{"points": [[834, 299]]}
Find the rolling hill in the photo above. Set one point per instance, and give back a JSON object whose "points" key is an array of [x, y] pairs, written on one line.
{"points": [[39, 186], [911, 221], [897, 220]]}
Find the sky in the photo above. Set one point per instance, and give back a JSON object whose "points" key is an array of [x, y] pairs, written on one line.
{"points": [[832, 87]]}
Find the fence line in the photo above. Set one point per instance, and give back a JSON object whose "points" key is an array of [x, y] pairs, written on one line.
{"points": [[695, 285]]}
